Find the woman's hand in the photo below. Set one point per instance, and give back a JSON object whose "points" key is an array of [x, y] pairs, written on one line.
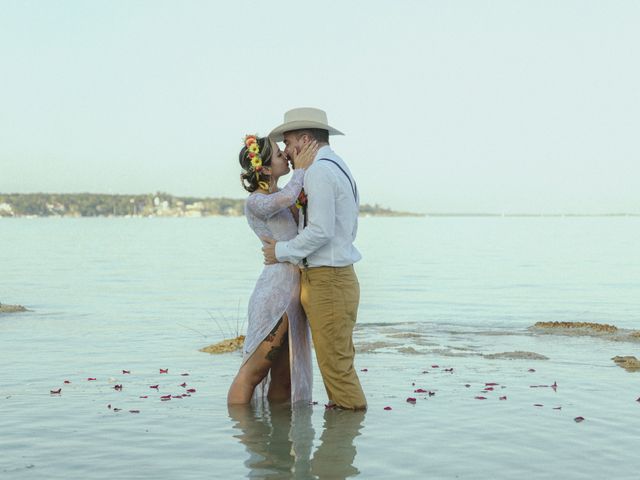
{"points": [[306, 156]]}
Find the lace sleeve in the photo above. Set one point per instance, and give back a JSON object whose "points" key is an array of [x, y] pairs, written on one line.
{"points": [[265, 206]]}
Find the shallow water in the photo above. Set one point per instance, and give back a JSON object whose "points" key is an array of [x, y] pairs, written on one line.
{"points": [[145, 294]]}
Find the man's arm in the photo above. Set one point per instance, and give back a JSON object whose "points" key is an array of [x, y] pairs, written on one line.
{"points": [[320, 184]]}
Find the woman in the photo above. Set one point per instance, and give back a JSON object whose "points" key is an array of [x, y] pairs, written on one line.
{"points": [[277, 348]]}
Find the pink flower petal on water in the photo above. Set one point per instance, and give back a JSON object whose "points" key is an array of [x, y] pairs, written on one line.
{"points": [[435, 366], [420, 390], [67, 382], [364, 370], [503, 398], [154, 386], [480, 398], [387, 408], [164, 398], [164, 370], [411, 400], [56, 392], [554, 386], [134, 411], [191, 390], [491, 384], [488, 389], [578, 419], [184, 384], [126, 372], [90, 379]]}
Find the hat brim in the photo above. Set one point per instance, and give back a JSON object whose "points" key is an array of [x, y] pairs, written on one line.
{"points": [[277, 134]]}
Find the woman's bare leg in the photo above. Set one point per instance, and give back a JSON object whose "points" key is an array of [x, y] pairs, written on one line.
{"points": [[280, 386], [256, 368]]}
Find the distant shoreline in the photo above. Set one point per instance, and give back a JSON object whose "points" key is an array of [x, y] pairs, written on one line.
{"points": [[161, 204]]}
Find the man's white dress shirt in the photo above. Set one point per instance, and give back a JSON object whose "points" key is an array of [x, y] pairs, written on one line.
{"points": [[332, 217]]}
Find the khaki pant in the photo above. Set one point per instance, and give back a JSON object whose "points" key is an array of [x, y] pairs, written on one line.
{"points": [[330, 297]]}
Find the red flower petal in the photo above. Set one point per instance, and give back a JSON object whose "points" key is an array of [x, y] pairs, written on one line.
{"points": [[503, 398], [420, 390], [435, 366], [387, 408], [411, 400], [480, 398], [578, 419], [488, 389], [67, 382], [491, 384], [90, 379], [164, 370], [183, 384], [56, 392], [126, 372], [191, 390], [154, 386]]}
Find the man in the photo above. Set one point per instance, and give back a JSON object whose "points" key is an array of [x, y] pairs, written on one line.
{"points": [[324, 249]]}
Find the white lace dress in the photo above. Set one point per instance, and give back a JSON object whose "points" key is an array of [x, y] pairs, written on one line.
{"points": [[278, 289]]}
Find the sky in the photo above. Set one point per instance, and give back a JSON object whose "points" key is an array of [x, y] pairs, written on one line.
{"points": [[448, 106]]}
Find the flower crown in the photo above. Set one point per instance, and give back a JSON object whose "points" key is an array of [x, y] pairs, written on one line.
{"points": [[253, 152]]}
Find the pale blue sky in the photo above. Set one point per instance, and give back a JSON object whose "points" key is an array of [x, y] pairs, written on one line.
{"points": [[502, 106]]}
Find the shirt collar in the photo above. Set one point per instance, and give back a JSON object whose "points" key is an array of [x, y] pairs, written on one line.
{"points": [[324, 151]]}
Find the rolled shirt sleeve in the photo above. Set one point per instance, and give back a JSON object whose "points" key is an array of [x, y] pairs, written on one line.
{"points": [[319, 185]]}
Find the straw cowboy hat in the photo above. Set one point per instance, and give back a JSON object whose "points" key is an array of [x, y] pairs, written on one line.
{"points": [[301, 118]]}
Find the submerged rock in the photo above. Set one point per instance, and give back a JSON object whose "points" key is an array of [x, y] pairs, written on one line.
{"points": [[4, 308], [629, 363], [517, 355], [225, 346], [594, 327]]}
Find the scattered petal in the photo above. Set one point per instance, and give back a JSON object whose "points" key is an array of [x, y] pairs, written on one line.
{"points": [[425, 371], [126, 372], [420, 390], [67, 382], [165, 398], [143, 396], [387, 408], [578, 419], [364, 370], [435, 366], [176, 396], [90, 379], [431, 394], [154, 386], [164, 370], [191, 390], [56, 392], [503, 398], [117, 409], [118, 387], [184, 374], [183, 384], [134, 411], [538, 405], [480, 398], [488, 389], [554, 386], [491, 384], [450, 370], [557, 408], [411, 400], [531, 370]]}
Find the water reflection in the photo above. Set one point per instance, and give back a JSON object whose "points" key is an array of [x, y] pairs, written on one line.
{"points": [[280, 440]]}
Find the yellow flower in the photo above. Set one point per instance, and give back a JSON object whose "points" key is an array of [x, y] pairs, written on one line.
{"points": [[254, 148], [256, 161]]}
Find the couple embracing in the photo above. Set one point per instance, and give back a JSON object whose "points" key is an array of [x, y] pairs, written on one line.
{"points": [[308, 287]]}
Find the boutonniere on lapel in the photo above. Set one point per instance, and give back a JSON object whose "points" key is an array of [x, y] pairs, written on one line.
{"points": [[301, 202]]}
